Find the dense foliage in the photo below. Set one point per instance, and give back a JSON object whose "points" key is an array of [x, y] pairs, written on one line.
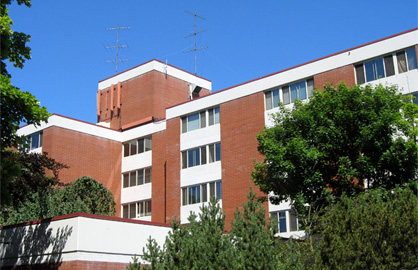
{"points": [[203, 244], [85, 195], [340, 141], [375, 230]]}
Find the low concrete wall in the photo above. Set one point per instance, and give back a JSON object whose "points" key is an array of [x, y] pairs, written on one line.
{"points": [[77, 237]]}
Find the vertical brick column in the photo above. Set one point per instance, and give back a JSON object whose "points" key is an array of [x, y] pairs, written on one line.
{"points": [[241, 120]]}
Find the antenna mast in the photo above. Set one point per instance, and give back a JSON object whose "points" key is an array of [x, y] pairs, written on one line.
{"points": [[117, 46], [195, 42]]}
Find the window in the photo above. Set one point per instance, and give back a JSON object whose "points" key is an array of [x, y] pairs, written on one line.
{"points": [[384, 66], [272, 99], [199, 156], [199, 120], [299, 90], [136, 178], [407, 60], [282, 216], [199, 193], [137, 209], [137, 146], [33, 141]]}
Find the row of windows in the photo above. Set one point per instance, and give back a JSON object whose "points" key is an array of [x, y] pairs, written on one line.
{"points": [[281, 217], [201, 155], [136, 178], [199, 193], [137, 146], [200, 120], [299, 90], [137, 209], [384, 66], [33, 141]]}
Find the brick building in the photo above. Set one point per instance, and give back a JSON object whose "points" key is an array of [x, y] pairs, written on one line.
{"points": [[164, 144]]}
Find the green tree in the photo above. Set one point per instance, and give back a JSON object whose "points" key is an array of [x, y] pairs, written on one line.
{"points": [[338, 142], [13, 44], [197, 245], [374, 230], [23, 174], [85, 195], [253, 236], [204, 244]]}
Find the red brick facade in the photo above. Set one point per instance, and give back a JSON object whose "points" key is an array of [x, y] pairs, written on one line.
{"points": [[86, 155], [342, 74], [71, 265]]}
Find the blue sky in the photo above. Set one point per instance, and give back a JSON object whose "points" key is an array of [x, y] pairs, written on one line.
{"points": [[245, 40]]}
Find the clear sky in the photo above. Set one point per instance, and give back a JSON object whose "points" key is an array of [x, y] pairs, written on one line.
{"points": [[245, 40]]}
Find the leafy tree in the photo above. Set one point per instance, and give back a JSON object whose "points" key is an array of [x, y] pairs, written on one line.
{"points": [[338, 142], [17, 107], [23, 174], [13, 44], [89, 194], [56, 201], [374, 230]]}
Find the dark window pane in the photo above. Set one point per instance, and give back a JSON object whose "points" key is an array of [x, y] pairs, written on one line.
{"points": [[203, 154], [282, 222], [204, 193], [219, 190], [184, 191], [211, 117], [203, 119], [401, 62], [184, 159], [293, 221], [132, 210], [302, 90], [217, 115], [147, 175], [390, 70], [133, 148], [148, 143], [125, 211], [183, 124], [370, 74], [212, 189], [293, 92], [141, 147], [269, 104], [126, 149], [380, 72], [126, 180], [286, 94], [140, 177], [218, 151], [412, 58], [132, 179], [211, 153], [34, 141], [276, 98], [360, 74], [310, 83]]}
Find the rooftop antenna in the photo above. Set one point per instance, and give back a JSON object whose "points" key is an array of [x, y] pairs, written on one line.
{"points": [[117, 46], [195, 42]]}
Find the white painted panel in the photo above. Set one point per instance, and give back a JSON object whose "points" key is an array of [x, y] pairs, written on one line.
{"points": [[195, 208], [279, 207], [199, 137], [137, 161], [144, 130], [136, 193], [201, 174], [407, 82]]}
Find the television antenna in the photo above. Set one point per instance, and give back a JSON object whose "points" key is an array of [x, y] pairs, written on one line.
{"points": [[195, 33], [117, 46]]}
